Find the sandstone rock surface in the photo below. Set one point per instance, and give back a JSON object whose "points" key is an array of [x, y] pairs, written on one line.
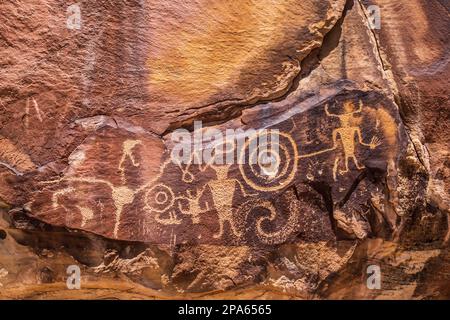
{"points": [[91, 115]]}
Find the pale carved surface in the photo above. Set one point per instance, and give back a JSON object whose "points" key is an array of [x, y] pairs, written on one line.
{"points": [[88, 119]]}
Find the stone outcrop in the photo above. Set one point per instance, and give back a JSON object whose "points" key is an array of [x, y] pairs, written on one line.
{"points": [[355, 118]]}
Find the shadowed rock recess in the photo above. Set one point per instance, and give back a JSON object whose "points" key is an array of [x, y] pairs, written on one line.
{"points": [[91, 110]]}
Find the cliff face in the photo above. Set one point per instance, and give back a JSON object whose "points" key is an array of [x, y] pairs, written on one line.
{"points": [[96, 97]]}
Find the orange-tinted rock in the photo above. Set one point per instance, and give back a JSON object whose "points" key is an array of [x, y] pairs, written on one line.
{"points": [[90, 118]]}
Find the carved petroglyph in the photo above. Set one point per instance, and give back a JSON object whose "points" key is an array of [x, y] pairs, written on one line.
{"points": [[223, 189], [187, 175], [127, 154], [86, 215], [121, 195], [194, 208], [264, 236], [160, 199], [255, 175], [27, 115], [57, 194], [226, 192], [345, 134], [14, 159], [37, 110]]}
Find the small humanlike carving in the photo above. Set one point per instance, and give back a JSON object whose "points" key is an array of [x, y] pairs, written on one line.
{"points": [[223, 189]]}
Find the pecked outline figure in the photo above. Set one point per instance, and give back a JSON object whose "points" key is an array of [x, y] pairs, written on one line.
{"points": [[166, 208]]}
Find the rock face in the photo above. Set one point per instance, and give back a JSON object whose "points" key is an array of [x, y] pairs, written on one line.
{"points": [[332, 128]]}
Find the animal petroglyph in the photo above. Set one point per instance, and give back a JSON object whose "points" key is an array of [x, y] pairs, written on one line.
{"points": [[86, 213], [223, 189], [14, 159], [121, 195]]}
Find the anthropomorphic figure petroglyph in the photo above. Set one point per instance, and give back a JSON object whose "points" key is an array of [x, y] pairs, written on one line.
{"points": [[346, 133], [121, 196], [13, 159], [222, 190]]}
